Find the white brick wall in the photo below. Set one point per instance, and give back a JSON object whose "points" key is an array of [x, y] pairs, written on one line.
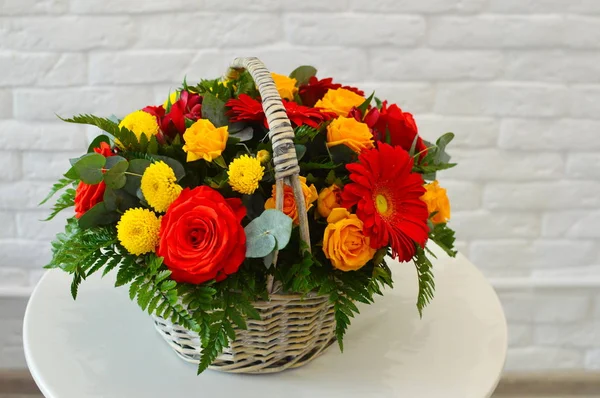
{"points": [[517, 81]]}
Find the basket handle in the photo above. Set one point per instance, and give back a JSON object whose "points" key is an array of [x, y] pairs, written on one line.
{"points": [[281, 135]]}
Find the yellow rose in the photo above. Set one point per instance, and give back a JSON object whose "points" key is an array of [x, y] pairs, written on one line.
{"points": [[329, 199], [204, 141], [286, 86], [437, 201], [350, 132], [289, 204], [344, 242], [339, 101]]}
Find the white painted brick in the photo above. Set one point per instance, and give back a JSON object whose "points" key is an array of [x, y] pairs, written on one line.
{"points": [[553, 66], [537, 254], [583, 102], [568, 271], [236, 5], [101, 101], [543, 358], [463, 195], [6, 104], [17, 253], [313, 5], [132, 6], [543, 6], [26, 7], [429, 64], [582, 32], [501, 99], [42, 69], [380, 30], [138, 67], [542, 195], [572, 224], [31, 227], [504, 165], [517, 304], [9, 228], [592, 360], [424, 6], [534, 135], [13, 277], [15, 135], [519, 335], [555, 308], [10, 166], [218, 30], [482, 224], [65, 33], [571, 335], [584, 165], [462, 247], [47, 165], [414, 98], [23, 195], [469, 132], [496, 31], [597, 308]]}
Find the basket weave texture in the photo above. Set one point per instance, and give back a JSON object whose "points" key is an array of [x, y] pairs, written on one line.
{"points": [[293, 329]]}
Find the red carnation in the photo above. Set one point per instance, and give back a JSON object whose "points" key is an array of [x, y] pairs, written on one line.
{"points": [[315, 90], [387, 197], [87, 195]]}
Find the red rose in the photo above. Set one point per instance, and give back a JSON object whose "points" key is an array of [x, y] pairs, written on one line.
{"points": [[315, 89], [201, 236], [188, 106], [86, 195], [401, 126]]}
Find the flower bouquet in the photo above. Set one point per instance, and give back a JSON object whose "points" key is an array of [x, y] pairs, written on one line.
{"points": [[249, 214]]}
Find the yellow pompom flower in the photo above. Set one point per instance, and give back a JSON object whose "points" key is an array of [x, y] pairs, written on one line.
{"points": [[159, 186], [138, 231], [204, 141], [173, 97], [286, 86], [340, 101], [263, 156], [244, 174], [140, 122]]}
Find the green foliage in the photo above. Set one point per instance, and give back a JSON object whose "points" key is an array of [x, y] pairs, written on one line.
{"points": [[64, 201], [436, 158], [126, 137], [425, 276], [244, 84], [99, 214], [213, 109], [444, 237], [270, 231], [96, 142], [62, 183], [302, 74], [305, 134], [115, 175], [365, 105], [89, 168]]}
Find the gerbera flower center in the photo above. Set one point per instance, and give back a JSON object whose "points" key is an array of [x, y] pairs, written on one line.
{"points": [[382, 204]]}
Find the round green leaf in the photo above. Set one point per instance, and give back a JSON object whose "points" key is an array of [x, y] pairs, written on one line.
{"points": [[96, 142], [89, 168], [303, 73], [133, 180], [270, 231], [115, 176]]}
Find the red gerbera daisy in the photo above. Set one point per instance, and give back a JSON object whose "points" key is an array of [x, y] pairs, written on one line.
{"points": [[315, 89], [387, 194], [246, 108]]}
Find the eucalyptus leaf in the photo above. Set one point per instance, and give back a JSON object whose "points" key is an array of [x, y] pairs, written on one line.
{"points": [[115, 176], [213, 109], [134, 180], [98, 215], [300, 151], [303, 73], [119, 199], [270, 231], [441, 144], [245, 134], [89, 168], [96, 142], [268, 259]]}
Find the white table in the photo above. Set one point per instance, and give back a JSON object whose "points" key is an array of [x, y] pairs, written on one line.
{"points": [[103, 345]]}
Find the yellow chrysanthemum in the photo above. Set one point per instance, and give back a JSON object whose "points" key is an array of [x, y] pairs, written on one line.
{"points": [[263, 156], [244, 174], [173, 97], [159, 186], [140, 122], [286, 86], [138, 231]]}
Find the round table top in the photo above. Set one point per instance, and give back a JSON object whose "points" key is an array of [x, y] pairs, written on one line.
{"points": [[103, 345]]}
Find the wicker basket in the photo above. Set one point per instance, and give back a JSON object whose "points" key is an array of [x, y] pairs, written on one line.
{"points": [[292, 330]]}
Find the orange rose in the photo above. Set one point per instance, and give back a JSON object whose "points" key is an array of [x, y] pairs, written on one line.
{"points": [[350, 132], [339, 101], [204, 141], [329, 199], [286, 86], [437, 201], [289, 204], [344, 242]]}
